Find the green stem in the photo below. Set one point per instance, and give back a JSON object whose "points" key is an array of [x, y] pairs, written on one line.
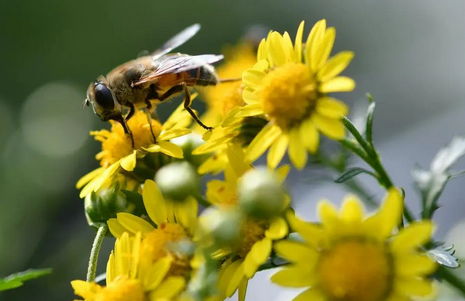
{"points": [[92, 268], [353, 130], [202, 201], [446, 274]]}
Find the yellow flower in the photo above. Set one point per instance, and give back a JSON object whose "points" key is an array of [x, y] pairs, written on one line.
{"points": [[117, 152], [131, 277], [257, 236], [224, 97], [351, 257], [175, 222], [290, 86]]}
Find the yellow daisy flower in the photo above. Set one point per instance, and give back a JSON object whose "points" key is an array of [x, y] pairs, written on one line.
{"points": [[257, 236], [290, 84], [174, 221], [117, 151], [352, 257], [130, 277]]}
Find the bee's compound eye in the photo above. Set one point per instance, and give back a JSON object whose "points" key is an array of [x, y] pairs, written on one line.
{"points": [[103, 97]]}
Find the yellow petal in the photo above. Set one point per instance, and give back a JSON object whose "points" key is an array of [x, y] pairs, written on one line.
{"points": [[157, 273], [122, 255], [313, 40], [277, 151], [134, 223], [111, 272], [236, 160], [417, 287], [324, 49], [332, 128], [135, 256], [297, 151], [331, 108], [278, 229], [261, 52], [97, 182], [261, 250], [87, 290], [170, 149], [173, 133], [309, 135], [297, 252], [236, 277], [186, 213], [352, 210], [242, 288], [337, 84], [294, 276], [154, 202], [412, 265], [129, 162], [253, 78], [115, 227], [388, 217], [312, 294], [168, 288], [249, 96], [89, 177], [311, 233], [288, 47], [282, 172], [412, 237], [298, 43], [262, 141], [276, 49], [250, 110], [328, 214], [335, 65]]}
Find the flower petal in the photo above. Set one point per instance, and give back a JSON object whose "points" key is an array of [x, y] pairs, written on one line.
{"points": [[311, 233], [335, 66], [313, 294], [278, 229], [297, 252], [262, 141], [412, 237], [276, 49], [309, 136], [115, 227], [169, 288], [253, 78], [277, 151], [324, 49], [337, 84], [154, 202], [331, 108], [129, 162], [133, 223], [294, 276], [89, 177], [413, 265], [297, 151], [417, 287], [173, 133], [298, 43], [261, 250], [250, 110], [171, 149], [332, 128], [157, 273], [352, 210], [236, 277], [249, 96], [313, 40]]}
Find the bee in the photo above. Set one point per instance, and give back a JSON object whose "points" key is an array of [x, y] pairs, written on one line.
{"points": [[150, 80]]}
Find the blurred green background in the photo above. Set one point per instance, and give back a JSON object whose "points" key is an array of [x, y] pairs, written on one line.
{"points": [[409, 54]]}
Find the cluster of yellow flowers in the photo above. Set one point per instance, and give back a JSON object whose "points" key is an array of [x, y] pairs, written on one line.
{"points": [[167, 248]]}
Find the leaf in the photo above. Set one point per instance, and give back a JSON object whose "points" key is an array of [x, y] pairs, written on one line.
{"points": [[16, 280], [369, 122], [352, 172], [432, 182], [444, 256]]}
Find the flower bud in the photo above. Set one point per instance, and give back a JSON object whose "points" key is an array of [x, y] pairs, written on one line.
{"points": [[188, 143], [224, 226], [260, 194], [178, 180], [104, 204]]}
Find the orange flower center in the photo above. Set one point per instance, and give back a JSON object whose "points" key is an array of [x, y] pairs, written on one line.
{"points": [[252, 232], [356, 270]]}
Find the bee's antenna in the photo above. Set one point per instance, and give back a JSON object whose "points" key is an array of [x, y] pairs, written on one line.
{"points": [[228, 80]]}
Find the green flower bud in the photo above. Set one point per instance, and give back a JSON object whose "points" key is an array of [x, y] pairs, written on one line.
{"points": [[260, 194], [188, 143], [104, 204], [224, 226], [178, 180]]}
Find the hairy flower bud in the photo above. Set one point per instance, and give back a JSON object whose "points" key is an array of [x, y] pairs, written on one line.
{"points": [[188, 143], [260, 194], [178, 180]]}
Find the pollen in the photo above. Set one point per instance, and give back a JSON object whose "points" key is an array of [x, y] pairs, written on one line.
{"points": [[252, 232], [356, 270], [156, 244], [122, 289], [116, 144], [288, 94]]}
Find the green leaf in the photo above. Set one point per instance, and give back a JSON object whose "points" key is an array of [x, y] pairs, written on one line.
{"points": [[369, 123], [352, 172], [16, 280], [431, 183]]}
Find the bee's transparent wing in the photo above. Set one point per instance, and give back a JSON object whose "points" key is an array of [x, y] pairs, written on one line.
{"points": [[176, 41], [179, 63]]}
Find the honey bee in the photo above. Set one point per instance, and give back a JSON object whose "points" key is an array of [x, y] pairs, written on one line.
{"points": [[150, 80]]}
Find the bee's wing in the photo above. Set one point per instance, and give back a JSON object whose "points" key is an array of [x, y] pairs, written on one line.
{"points": [[179, 63], [176, 41]]}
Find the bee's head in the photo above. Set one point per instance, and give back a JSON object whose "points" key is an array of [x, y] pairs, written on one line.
{"points": [[101, 98]]}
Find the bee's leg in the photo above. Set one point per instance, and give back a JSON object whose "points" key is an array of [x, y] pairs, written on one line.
{"points": [[149, 119], [126, 128], [187, 104], [132, 110]]}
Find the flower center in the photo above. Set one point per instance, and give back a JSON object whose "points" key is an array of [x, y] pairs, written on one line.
{"points": [[122, 289], [252, 231], [288, 94], [355, 270], [116, 144], [156, 245], [225, 97]]}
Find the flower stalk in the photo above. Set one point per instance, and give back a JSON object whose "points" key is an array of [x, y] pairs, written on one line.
{"points": [[92, 268]]}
